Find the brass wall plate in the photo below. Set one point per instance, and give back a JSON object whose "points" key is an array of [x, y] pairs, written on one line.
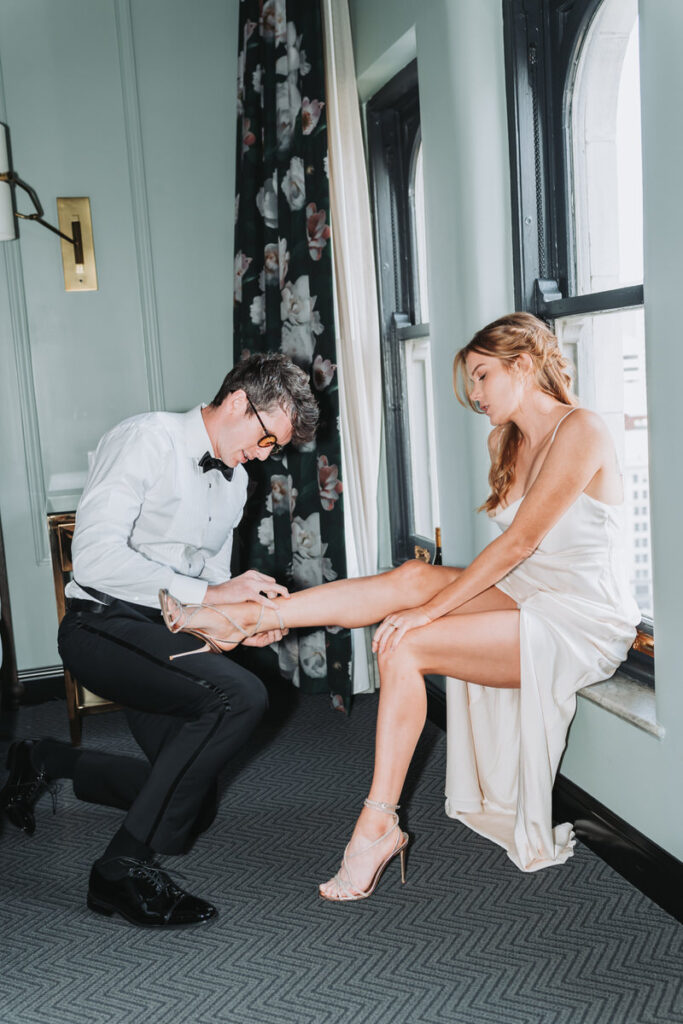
{"points": [[74, 221]]}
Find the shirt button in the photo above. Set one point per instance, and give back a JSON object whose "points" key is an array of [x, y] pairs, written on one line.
{"points": [[209, 518]]}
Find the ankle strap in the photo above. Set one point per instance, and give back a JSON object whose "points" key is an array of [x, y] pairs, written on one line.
{"points": [[381, 805]]}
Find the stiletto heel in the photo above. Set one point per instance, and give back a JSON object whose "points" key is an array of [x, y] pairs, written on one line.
{"points": [[200, 650], [178, 618], [346, 889]]}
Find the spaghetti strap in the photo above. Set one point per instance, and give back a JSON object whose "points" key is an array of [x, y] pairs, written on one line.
{"points": [[562, 421]]}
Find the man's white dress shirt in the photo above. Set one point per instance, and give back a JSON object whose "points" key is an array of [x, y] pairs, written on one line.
{"points": [[149, 517]]}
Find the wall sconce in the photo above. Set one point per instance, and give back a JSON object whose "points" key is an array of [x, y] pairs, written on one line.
{"points": [[78, 252]]}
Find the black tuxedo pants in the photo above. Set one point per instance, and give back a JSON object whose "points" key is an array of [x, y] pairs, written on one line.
{"points": [[189, 716]]}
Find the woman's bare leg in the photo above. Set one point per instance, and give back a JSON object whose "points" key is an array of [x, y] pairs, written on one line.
{"points": [[347, 603], [361, 602], [479, 645]]}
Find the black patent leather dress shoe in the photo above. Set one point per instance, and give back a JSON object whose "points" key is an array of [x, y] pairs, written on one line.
{"points": [[24, 786], [145, 895]]}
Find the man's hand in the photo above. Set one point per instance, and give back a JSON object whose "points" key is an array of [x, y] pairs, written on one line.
{"points": [[250, 586], [264, 639]]}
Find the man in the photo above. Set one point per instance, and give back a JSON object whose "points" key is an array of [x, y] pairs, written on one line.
{"points": [[163, 496]]}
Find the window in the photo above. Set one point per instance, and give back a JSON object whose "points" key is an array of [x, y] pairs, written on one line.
{"points": [[396, 164], [574, 116]]}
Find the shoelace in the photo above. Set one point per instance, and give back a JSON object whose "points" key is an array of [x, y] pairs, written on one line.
{"points": [[155, 875]]}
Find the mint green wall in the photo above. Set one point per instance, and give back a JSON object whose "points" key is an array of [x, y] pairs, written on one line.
{"points": [[129, 102], [459, 49]]}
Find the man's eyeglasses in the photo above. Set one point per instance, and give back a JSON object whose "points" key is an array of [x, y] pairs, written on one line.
{"points": [[269, 440]]}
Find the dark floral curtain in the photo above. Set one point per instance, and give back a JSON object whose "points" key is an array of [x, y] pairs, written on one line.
{"points": [[294, 527]]}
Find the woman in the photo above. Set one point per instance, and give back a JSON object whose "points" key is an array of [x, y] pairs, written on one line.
{"points": [[543, 611]]}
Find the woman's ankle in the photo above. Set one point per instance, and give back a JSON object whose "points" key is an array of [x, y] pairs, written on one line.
{"points": [[372, 823], [267, 618], [253, 612]]}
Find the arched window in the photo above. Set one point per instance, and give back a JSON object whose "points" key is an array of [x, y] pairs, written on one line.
{"points": [[608, 350], [606, 156], [574, 114]]}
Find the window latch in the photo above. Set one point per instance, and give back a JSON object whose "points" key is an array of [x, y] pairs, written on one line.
{"points": [[545, 290]]}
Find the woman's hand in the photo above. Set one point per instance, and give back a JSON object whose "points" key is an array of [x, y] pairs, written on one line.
{"points": [[389, 634]]}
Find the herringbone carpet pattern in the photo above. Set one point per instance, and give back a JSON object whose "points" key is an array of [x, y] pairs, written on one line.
{"points": [[468, 940]]}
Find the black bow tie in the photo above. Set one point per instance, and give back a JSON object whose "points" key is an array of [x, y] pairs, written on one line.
{"points": [[208, 462]]}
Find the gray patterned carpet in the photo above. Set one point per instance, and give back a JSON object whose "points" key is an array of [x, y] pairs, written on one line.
{"points": [[468, 940]]}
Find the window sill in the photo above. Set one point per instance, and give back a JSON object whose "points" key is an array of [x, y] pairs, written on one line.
{"points": [[629, 700]]}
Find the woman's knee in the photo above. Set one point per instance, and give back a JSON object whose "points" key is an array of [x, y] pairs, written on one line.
{"points": [[411, 573], [416, 579], [403, 661]]}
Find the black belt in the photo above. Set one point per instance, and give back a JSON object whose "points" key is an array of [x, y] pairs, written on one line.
{"points": [[97, 594], [77, 604]]}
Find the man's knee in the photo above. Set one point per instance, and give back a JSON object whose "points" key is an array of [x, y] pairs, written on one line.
{"points": [[255, 698], [241, 691], [251, 702]]}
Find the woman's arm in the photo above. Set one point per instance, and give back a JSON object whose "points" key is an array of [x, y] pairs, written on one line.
{"points": [[580, 450]]}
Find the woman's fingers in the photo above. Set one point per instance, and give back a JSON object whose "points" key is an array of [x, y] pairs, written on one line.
{"points": [[383, 635], [390, 632], [377, 637], [395, 636]]}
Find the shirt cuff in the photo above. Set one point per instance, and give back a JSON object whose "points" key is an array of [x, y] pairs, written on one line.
{"points": [[188, 589]]}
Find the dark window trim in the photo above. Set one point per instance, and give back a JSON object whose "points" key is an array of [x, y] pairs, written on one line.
{"points": [[414, 271], [543, 40], [393, 131], [393, 125], [591, 302]]}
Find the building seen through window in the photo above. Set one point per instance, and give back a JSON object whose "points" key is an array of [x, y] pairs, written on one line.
{"points": [[576, 162], [607, 350]]}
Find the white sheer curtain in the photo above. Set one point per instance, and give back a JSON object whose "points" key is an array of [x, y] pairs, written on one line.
{"points": [[358, 345]]}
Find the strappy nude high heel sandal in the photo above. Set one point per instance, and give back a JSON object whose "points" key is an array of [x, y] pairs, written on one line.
{"points": [[346, 889], [178, 618]]}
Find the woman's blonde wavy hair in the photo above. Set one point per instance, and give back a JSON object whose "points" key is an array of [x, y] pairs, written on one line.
{"points": [[507, 339]]}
